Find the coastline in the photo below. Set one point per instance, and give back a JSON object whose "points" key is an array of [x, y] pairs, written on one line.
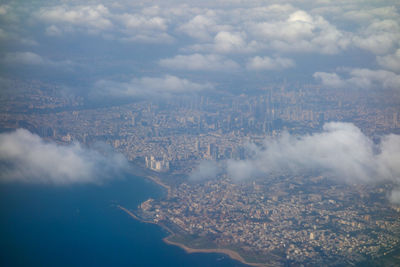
{"points": [[130, 213], [143, 172], [231, 253], [160, 183]]}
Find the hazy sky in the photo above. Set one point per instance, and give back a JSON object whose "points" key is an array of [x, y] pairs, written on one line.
{"points": [[128, 48]]}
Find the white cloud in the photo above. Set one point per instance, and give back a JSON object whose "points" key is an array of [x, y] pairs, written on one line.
{"points": [[390, 62], [138, 26], [25, 157], [267, 63], [331, 80], [90, 17], [380, 37], [300, 16], [341, 151], [147, 28], [242, 29], [204, 171], [200, 27], [197, 61], [366, 15], [366, 78], [260, 13], [300, 32], [360, 78], [341, 148], [30, 58], [323, 27], [225, 42], [136, 21], [165, 86], [203, 26]]}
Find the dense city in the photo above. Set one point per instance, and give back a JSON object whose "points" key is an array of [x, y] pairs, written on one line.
{"points": [[285, 219], [200, 133]]}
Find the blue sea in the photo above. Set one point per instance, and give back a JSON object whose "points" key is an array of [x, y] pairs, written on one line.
{"points": [[79, 225]]}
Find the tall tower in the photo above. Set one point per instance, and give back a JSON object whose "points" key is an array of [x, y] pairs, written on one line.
{"points": [[210, 149]]}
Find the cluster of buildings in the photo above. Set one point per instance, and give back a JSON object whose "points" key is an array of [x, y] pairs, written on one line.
{"points": [[158, 165], [300, 220], [284, 218], [188, 129]]}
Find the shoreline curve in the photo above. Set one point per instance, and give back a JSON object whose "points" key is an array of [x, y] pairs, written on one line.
{"points": [[231, 253]]}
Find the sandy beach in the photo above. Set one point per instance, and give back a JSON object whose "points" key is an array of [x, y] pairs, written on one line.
{"points": [[232, 254], [160, 183]]}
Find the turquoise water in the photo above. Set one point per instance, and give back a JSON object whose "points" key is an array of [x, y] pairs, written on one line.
{"points": [[79, 225]]}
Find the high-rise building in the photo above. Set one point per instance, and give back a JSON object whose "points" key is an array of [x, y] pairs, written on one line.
{"points": [[158, 165], [312, 236], [197, 146], [210, 150]]}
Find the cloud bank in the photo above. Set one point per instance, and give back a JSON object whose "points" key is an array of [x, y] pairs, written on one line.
{"points": [[390, 62], [91, 17], [25, 157], [360, 78], [341, 151], [210, 36]]}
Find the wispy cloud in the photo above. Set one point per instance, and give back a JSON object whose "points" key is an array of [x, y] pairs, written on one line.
{"points": [[267, 63], [341, 152], [209, 62], [205, 170], [33, 59], [164, 86], [360, 78], [94, 17]]}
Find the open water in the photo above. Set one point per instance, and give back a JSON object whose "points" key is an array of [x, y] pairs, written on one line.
{"points": [[79, 225]]}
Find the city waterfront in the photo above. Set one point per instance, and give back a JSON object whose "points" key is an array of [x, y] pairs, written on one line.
{"points": [[206, 133], [81, 225]]}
